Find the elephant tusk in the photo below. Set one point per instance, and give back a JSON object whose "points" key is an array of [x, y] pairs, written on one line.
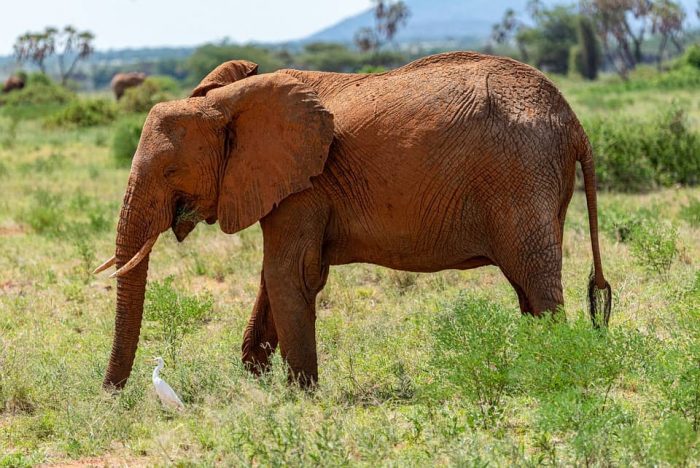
{"points": [[140, 255], [105, 265]]}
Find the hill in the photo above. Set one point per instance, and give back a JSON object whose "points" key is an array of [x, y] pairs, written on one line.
{"points": [[443, 20]]}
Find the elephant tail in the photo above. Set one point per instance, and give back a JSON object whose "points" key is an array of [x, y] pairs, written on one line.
{"points": [[599, 292]]}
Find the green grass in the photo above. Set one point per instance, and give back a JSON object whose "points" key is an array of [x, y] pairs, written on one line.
{"points": [[415, 369]]}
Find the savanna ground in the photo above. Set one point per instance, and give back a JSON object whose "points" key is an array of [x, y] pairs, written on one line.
{"points": [[414, 369]]}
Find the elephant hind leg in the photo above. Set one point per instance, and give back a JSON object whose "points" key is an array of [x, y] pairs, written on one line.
{"points": [[260, 337], [533, 266], [525, 307]]}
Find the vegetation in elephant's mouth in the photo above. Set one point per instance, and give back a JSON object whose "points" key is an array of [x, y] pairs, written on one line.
{"points": [[185, 214]]}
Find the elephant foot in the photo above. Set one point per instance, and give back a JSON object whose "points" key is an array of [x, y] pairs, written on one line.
{"points": [[256, 359]]}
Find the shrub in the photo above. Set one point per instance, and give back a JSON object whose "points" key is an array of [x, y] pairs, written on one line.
{"points": [[653, 245], [126, 139], [475, 349], [82, 216], [620, 161], [44, 214], [676, 443], [691, 213], [175, 313], [619, 222], [39, 91], [152, 91], [692, 56], [637, 155], [84, 113], [372, 69], [678, 367]]}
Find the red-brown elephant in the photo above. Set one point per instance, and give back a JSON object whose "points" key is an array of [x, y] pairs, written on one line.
{"points": [[123, 81], [456, 160]]}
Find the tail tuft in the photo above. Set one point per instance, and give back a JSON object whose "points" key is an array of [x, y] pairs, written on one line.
{"points": [[598, 297]]}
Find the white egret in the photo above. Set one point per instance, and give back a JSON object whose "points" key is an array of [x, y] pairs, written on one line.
{"points": [[166, 394]]}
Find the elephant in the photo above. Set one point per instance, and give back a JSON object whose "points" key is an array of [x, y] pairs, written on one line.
{"points": [[123, 81], [454, 161], [15, 82]]}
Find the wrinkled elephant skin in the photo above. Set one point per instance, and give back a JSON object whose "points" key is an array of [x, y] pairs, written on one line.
{"points": [[454, 161]]}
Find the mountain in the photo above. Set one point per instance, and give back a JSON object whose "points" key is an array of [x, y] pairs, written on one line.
{"points": [[441, 20]]}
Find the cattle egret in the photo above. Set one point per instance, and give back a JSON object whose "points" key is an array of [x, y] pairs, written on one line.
{"points": [[166, 394]]}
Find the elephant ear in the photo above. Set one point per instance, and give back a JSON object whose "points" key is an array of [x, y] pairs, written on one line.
{"points": [[226, 73], [279, 136]]}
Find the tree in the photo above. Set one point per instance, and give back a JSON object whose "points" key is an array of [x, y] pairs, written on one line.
{"points": [[546, 44], [623, 25], [74, 46], [69, 45], [589, 49], [389, 16], [329, 57], [210, 56], [36, 47], [508, 31], [667, 21]]}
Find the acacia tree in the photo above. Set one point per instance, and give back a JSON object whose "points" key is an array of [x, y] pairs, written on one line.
{"points": [[623, 25], [510, 29], [667, 21], [547, 42], [36, 47], [69, 45], [389, 16]]}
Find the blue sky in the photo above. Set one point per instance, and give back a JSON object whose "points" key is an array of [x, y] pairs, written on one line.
{"points": [[140, 23]]}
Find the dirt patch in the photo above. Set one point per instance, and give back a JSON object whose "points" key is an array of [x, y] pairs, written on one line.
{"points": [[7, 230], [10, 286], [109, 461]]}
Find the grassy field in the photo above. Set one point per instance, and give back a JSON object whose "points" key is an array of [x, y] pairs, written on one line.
{"points": [[414, 369]]}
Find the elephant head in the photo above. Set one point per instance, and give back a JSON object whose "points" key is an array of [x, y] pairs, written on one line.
{"points": [[230, 152]]}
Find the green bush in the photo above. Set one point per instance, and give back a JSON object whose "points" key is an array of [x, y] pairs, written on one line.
{"points": [[692, 56], [76, 218], [475, 349], [126, 139], [372, 69], [620, 222], [153, 90], [44, 215], [489, 355], [691, 213], [84, 113], [176, 314], [39, 90], [654, 245], [329, 57], [210, 56], [638, 155]]}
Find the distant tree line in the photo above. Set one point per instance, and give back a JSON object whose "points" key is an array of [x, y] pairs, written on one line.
{"points": [[561, 39], [582, 39]]}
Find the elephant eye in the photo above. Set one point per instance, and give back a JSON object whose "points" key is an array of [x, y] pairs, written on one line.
{"points": [[169, 171]]}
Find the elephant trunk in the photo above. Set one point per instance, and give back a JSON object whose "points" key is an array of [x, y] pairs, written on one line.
{"points": [[133, 233]]}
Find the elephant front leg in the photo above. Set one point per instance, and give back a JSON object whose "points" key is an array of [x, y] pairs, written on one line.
{"points": [[260, 337], [295, 272], [294, 315]]}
